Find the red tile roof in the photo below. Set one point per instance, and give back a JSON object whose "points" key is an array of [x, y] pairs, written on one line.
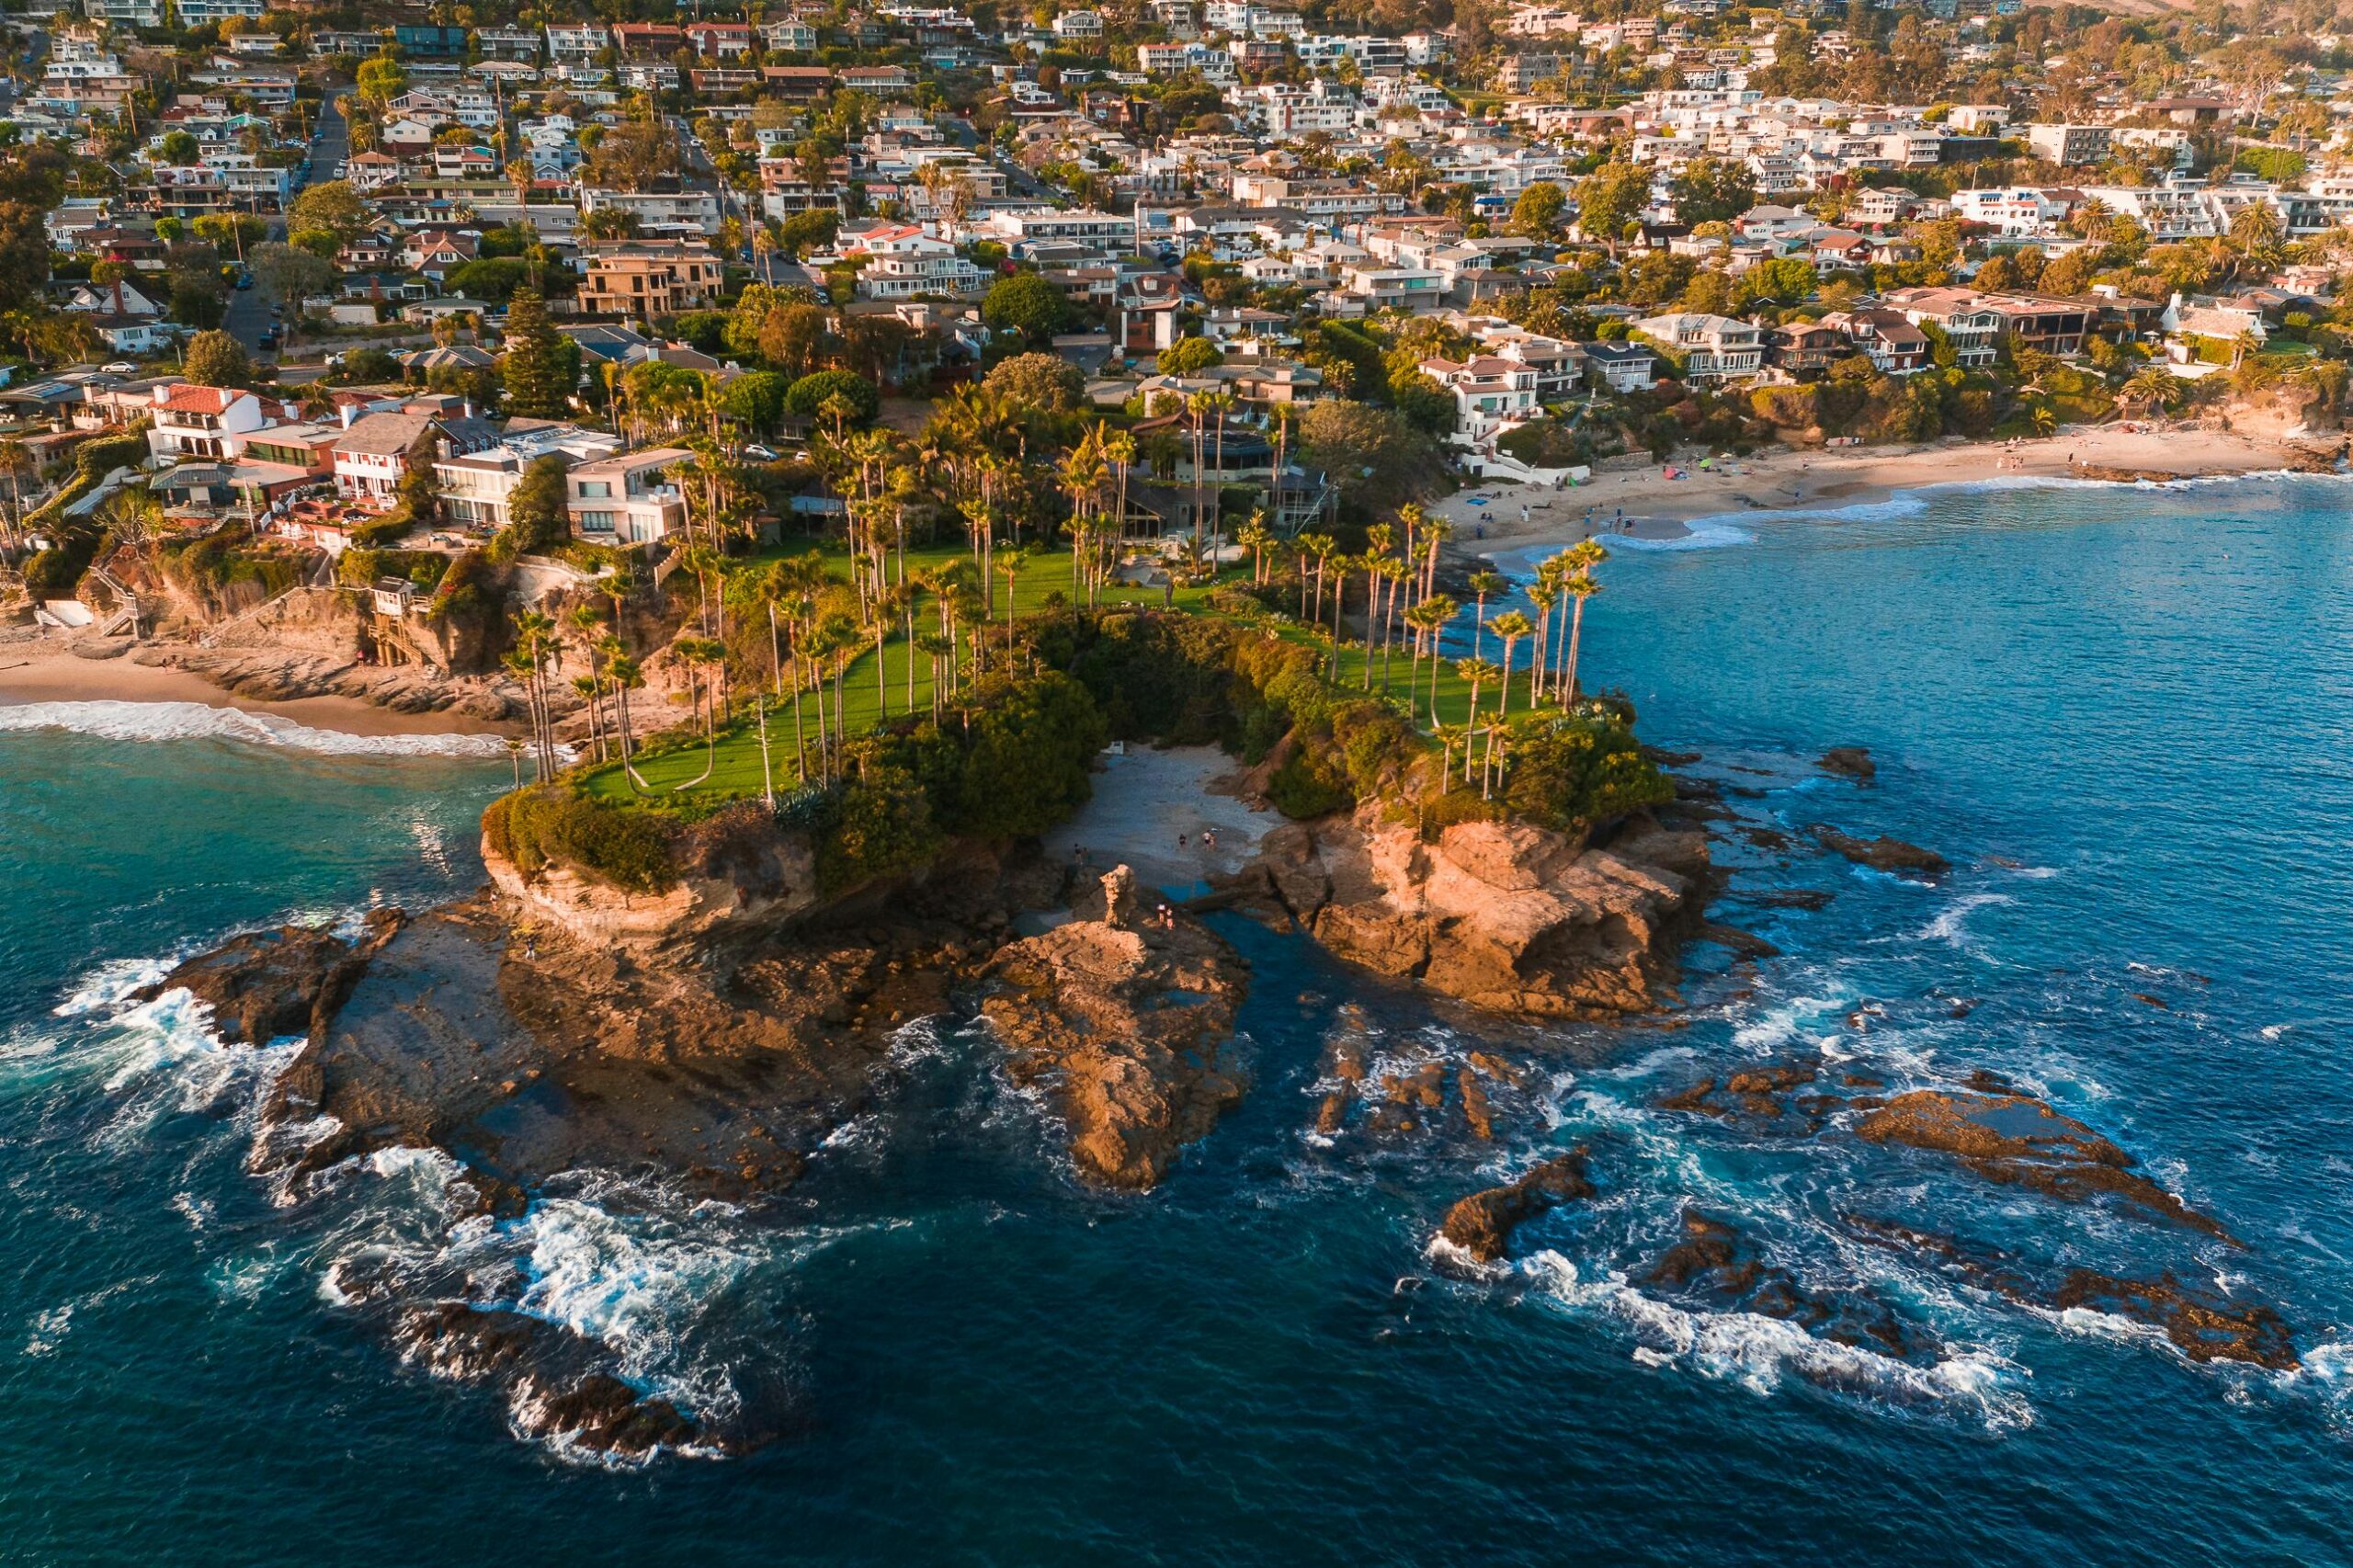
{"points": [[186, 399]]}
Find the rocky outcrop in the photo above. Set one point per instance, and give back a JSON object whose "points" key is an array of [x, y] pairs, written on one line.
{"points": [[689, 914], [1126, 1019], [1715, 1261], [1482, 1224], [266, 985], [1500, 914], [1881, 854], [2018, 1141], [1849, 762], [286, 675]]}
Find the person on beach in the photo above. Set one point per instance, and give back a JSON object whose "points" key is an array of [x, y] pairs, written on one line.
{"points": [[1209, 838], [1180, 844]]}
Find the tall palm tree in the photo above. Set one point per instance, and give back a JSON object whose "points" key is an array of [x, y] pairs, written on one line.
{"points": [[1511, 626], [1478, 672], [1580, 587], [1434, 611], [1481, 585]]}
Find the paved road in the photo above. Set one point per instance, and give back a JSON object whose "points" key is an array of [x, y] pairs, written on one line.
{"points": [[248, 315]]}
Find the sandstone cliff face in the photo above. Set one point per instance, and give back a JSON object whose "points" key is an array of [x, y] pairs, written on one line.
{"points": [[1126, 1020], [1503, 916], [693, 912]]}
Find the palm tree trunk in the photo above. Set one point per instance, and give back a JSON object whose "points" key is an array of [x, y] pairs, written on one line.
{"points": [[1577, 631]]}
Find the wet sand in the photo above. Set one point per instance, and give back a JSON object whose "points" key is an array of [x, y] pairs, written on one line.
{"points": [[1781, 479], [32, 672]]}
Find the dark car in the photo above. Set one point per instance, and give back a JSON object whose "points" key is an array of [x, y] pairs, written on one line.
{"points": [[245, 279]]}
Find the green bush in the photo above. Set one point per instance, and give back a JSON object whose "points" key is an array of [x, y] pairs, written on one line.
{"points": [[1572, 773], [541, 827], [873, 827]]}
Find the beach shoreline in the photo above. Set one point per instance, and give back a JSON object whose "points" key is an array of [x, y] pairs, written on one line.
{"points": [[1789, 481], [32, 673]]}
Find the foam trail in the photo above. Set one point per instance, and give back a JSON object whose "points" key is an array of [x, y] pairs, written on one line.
{"points": [[113, 721]]}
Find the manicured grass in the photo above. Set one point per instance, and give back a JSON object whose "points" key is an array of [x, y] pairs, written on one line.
{"points": [[734, 763]]}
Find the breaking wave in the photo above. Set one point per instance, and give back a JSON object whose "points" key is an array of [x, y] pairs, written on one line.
{"points": [[114, 720]]}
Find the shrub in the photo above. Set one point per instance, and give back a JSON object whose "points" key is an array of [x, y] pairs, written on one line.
{"points": [[874, 826], [1570, 774], [541, 827]]}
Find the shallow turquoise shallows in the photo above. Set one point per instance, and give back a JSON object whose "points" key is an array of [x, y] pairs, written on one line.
{"points": [[2125, 715]]}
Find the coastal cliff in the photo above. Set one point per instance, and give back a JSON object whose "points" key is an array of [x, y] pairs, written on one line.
{"points": [[1505, 916]]}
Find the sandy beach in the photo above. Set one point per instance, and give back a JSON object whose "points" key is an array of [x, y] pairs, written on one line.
{"points": [[1144, 799], [34, 672], [1783, 480]]}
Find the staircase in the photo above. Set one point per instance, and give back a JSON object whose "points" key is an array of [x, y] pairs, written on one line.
{"points": [[124, 617]]}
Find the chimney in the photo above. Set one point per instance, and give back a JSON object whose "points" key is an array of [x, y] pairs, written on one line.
{"points": [[347, 410]]}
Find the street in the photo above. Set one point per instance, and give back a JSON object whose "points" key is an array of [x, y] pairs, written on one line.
{"points": [[248, 314]]}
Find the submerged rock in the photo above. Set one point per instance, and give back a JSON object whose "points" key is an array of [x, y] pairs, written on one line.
{"points": [[1129, 1022], [1482, 1224], [2205, 1326], [553, 1393], [1713, 1259], [2015, 1140], [1758, 1094], [1881, 854], [1849, 762]]}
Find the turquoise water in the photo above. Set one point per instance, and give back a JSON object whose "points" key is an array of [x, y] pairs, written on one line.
{"points": [[2121, 714]]}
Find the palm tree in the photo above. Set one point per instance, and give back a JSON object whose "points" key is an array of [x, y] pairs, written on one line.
{"points": [[1428, 620], [17, 465], [2153, 387], [1544, 594], [1008, 566], [1579, 585], [1255, 538], [1478, 672], [1322, 546], [1481, 585], [1511, 626]]}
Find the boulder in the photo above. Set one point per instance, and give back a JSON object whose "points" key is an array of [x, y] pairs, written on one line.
{"points": [[2018, 1141], [1482, 1224], [263, 985], [1849, 762], [1883, 854]]}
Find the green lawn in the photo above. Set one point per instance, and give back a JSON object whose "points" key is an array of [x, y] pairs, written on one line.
{"points": [[735, 763]]}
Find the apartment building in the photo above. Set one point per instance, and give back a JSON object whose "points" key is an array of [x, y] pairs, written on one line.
{"points": [[626, 499], [662, 213], [648, 277]]}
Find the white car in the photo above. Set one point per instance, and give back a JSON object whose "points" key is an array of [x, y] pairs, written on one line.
{"points": [[119, 368]]}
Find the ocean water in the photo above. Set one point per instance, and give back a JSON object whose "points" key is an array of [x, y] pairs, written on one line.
{"points": [[2120, 712]]}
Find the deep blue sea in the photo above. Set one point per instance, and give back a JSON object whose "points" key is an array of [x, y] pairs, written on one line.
{"points": [[2122, 713]]}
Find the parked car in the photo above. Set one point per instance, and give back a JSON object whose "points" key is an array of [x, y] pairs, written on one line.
{"points": [[763, 454], [245, 279], [120, 368]]}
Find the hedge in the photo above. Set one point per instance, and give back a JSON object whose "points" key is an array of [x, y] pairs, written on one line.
{"points": [[536, 828]]}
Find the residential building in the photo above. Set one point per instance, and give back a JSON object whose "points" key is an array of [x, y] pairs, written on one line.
{"points": [[2067, 145], [626, 500], [1961, 314], [1622, 367], [477, 488], [648, 277], [1713, 349], [203, 422], [371, 456], [1490, 392]]}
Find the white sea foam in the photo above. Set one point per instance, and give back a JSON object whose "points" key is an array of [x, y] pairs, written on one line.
{"points": [[1760, 1353], [193, 721], [1703, 533], [1950, 926]]}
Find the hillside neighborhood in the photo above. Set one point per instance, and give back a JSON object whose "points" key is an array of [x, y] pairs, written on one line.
{"points": [[347, 303]]}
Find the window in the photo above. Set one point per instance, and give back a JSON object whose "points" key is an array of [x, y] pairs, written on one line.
{"points": [[597, 522], [595, 489]]}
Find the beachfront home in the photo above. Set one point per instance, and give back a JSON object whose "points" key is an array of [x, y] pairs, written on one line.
{"points": [[628, 499]]}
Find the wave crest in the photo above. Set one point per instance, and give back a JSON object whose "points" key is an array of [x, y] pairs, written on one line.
{"points": [[116, 721]]}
